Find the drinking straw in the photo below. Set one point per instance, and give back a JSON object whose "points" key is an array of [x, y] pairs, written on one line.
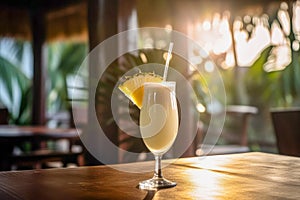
{"points": [[168, 61]]}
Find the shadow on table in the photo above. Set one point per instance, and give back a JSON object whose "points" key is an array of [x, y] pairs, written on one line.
{"points": [[150, 193]]}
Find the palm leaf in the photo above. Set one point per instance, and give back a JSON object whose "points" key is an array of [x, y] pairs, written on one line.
{"points": [[65, 59], [24, 116], [6, 77], [11, 74], [74, 55]]}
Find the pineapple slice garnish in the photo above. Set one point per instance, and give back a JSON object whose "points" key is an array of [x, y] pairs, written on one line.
{"points": [[133, 87]]}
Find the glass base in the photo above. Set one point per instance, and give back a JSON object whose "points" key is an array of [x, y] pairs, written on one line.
{"points": [[156, 183]]}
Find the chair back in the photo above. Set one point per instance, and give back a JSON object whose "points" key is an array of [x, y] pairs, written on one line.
{"points": [[4, 116], [286, 123]]}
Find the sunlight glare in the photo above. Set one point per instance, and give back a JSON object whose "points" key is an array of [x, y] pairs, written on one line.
{"points": [[241, 36], [192, 68], [276, 34], [296, 20], [279, 59], [200, 108], [224, 42], [284, 19], [196, 60], [296, 45], [206, 25], [168, 28], [208, 46], [248, 50], [284, 56], [206, 184], [149, 43], [203, 53], [160, 44], [237, 25], [214, 36], [165, 55], [143, 57], [284, 6], [216, 21], [249, 27], [247, 19], [229, 60], [251, 38], [209, 66]]}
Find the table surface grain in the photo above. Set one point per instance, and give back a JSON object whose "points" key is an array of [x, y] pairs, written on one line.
{"points": [[237, 176]]}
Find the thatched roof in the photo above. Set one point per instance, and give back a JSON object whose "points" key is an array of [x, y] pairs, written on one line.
{"points": [[70, 22], [68, 18], [63, 19], [15, 23]]}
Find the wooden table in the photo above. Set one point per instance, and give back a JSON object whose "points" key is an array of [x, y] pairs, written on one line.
{"points": [[16, 132], [235, 176], [10, 136]]}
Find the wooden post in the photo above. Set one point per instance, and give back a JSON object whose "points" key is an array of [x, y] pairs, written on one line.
{"points": [[39, 68], [179, 20], [102, 24]]}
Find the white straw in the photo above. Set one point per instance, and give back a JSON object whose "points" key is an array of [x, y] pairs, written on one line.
{"points": [[168, 61]]}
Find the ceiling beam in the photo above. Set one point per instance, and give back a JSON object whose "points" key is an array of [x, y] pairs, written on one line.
{"points": [[43, 5]]}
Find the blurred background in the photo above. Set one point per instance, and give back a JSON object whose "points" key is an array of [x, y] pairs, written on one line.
{"points": [[254, 44]]}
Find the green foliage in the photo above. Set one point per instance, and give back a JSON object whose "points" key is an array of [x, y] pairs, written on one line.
{"points": [[259, 82], [276, 88], [289, 82], [15, 85], [64, 60], [271, 89]]}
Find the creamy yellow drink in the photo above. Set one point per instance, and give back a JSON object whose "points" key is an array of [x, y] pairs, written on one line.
{"points": [[159, 116]]}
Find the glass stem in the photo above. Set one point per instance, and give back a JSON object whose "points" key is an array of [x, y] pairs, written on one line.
{"points": [[157, 171]]}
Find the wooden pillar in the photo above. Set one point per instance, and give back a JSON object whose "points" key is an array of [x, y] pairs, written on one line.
{"points": [[102, 24], [39, 66], [102, 20], [179, 23]]}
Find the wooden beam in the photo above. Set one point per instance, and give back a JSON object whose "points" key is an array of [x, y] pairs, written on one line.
{"points": [[102, 24], [41, 5], [39, 67]]}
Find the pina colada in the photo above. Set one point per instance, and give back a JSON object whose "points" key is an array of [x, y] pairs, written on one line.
{"points": [[159, 117]]}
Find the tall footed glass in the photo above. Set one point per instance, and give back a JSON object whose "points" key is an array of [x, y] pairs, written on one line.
{"points": [[159, 126]]}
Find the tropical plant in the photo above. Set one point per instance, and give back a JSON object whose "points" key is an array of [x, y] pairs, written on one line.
{"points": [[64, 60], [15, 83], [276, 88], [270, 85]]}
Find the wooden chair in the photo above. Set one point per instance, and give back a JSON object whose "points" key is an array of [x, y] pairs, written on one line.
{"points": [[235, 143], [4, 116], [36, 159], [39, 159], [286, 123], [32, 152]]}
